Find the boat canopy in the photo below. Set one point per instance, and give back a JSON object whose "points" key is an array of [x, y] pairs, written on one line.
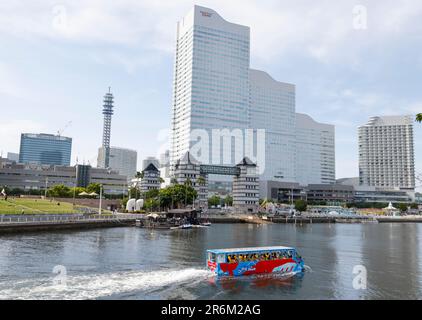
{"points": [[252, 249]]}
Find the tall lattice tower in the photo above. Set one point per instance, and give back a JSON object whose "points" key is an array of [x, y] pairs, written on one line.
{"points": [[107, 112]]}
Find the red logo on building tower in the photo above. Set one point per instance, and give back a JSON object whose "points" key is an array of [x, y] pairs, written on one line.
{"points": [[206, 14]]}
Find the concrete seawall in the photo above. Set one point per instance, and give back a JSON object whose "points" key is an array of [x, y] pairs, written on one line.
{"points": [[29, 227], [16, 224]]}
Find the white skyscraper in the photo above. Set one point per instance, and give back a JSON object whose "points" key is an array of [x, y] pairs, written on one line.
{"points": [[272, 107], [216, 91], [120, 159], [315, 151], [211, 82], [386, 155]]}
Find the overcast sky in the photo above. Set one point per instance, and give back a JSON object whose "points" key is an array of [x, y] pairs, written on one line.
{"points": [[57, 60]]}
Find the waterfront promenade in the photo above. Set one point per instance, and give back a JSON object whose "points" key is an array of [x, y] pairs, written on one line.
{"points": [[49, 222], [44, 222]]}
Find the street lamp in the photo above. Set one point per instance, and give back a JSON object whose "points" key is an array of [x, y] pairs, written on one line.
{"points": [[101, 196], [46, 187]]}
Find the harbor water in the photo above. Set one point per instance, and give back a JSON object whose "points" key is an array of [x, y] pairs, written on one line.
{"points": [[135, 263]]}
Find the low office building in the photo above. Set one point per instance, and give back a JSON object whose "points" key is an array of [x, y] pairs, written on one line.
{"points": [[330, 193], [39, 177], [281, 191], [382, 195]]}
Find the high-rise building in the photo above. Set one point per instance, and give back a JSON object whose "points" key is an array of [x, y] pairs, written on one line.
{"points": [[211, 81], [272, 107], [315, 151], [107, 112], [120, 159], [45, 149], [386, 155], [216, 91], [27, 177]]}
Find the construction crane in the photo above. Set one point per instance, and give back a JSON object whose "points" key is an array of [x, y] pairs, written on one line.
{"points": [[59, 132]]}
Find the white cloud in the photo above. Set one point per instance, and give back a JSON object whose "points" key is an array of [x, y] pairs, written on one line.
{"points": [[322, 30], [9, 84], [10, 130]]}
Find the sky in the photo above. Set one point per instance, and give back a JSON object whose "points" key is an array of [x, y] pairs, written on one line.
{"points": [[349, 60]]}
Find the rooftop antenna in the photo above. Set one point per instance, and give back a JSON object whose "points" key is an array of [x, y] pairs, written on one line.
{"points": [[107, 112]]}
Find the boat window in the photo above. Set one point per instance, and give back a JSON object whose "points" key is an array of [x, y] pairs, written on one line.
{"points": [[232, 258], [211, 256], [252, 256], [274, 255], [264, 256], [221, 258]]}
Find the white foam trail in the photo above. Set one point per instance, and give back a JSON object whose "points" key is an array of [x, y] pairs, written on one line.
{"points": [[307, 268], [101, 285]]}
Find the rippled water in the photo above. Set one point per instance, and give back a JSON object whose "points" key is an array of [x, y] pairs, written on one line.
{"points": [[133, 263]]}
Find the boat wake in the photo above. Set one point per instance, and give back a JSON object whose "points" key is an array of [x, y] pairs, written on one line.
{"points": [[307, 268], [102, 285]]}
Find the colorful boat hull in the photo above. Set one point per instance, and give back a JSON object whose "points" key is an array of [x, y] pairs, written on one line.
{"points": [[293, 264]]}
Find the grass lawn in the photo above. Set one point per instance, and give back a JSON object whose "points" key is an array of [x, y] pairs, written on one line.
{"points": [[14, 206]]}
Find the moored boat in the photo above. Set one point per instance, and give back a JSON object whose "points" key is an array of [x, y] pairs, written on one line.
{"points": [[249, 261]]}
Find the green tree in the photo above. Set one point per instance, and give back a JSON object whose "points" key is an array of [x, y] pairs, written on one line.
{"points": [[151, 204], [419, 117], [215, 200], [228, 200], [301, 205], [76, 191], [124, 201], [134, 193], [151, 194], [59, 191], [93, 187], [402, 207], [201, 181]]}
